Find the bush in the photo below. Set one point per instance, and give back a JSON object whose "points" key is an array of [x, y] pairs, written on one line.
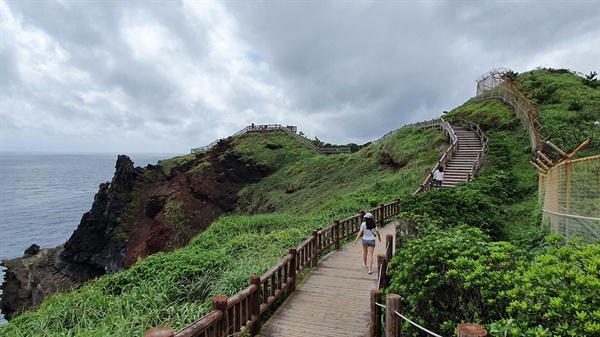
{"points": [[450, 276], [459, 205], [558, 294]]}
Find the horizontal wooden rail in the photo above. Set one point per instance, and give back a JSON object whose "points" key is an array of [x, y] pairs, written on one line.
{"points": [[446, 127], [290, 129], [243, 311]]}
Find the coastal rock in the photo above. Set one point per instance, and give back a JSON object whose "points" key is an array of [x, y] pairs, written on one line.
{"points": [[32, 250], [30, 279], [142, 211], [93, 249]]}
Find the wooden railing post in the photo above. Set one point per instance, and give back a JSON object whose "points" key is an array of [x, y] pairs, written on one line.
{"points": [[255, 305], [313, 261], [160, 331], [336, 234], [219, 302], [375, 330], [381, 214], [382, 267], [389, 246], [471, 330], [293, 268], [392, 321]]}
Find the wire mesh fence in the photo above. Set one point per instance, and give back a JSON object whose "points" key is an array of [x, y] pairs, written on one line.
{"points": [[571, 191], [570, 188]]}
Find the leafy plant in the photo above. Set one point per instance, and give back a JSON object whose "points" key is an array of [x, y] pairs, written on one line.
{"points": [[558, 294], [450, 275]]}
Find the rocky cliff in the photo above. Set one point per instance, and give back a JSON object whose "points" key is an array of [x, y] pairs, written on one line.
{"points": [[140, 212]]}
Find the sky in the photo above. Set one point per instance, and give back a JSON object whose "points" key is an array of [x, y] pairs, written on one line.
{"points": [[167, 76]]}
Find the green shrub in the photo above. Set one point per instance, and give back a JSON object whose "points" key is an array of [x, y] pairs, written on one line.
{"points": [[453, 275], [558, 294], [459, 205]]}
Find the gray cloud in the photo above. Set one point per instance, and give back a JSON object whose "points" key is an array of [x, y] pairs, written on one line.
{"points": [[168, 76]]}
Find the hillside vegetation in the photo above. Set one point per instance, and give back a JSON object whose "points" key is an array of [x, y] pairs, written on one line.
{"points": [[305, 191], [478, 253]]}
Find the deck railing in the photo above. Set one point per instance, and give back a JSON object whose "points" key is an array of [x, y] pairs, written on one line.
{"points": [[290, 129], [485, 142], [445, 126], [250, 128], [243, 311]]}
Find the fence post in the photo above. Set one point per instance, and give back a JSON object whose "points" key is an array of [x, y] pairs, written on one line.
{"points": [[375, 313], [255, 305], [219, 302], [293, 268], [336, 234], [392, 321], [389, 246], [382, 263], [313, 260], [471, 330], [382, 214], [160, 331]]}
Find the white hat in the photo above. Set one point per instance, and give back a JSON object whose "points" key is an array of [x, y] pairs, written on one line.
{"points": [[368, 215]]}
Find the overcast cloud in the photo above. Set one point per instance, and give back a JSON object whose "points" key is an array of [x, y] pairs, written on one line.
{"points": [[167, 76]]}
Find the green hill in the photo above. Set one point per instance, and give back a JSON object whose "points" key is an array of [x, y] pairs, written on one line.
{"points": [[497, 217], [480, 254]]}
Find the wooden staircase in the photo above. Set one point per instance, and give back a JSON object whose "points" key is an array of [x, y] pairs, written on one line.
{"points": [[464, 160]]}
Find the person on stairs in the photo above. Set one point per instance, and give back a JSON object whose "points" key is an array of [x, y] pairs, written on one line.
{"points": [[368, 231], [438, 176]]}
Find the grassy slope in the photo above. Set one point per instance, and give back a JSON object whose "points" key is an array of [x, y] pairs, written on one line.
{"points": [[307, 191], [567, 105], [568, 108]]}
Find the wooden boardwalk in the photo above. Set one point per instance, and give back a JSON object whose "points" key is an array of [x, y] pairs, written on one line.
{"points": [[334, 298]]}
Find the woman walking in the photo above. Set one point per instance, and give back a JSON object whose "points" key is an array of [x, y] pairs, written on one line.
{"points": [[438, 177], [368, 231]]}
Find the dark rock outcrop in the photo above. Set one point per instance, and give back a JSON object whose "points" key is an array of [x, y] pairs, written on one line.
{"points": [[93, 249]]}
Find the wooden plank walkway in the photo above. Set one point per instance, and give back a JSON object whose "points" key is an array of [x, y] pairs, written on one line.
{"points": [[334, 298]]}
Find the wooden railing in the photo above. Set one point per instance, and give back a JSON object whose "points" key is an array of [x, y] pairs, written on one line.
{"points": [[433, 123], [291, 130], [445, 126], [250, 128], [485, 142], [243, 311]]}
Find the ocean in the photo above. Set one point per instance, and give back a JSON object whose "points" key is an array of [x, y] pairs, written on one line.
{"points": [[43, 196]]}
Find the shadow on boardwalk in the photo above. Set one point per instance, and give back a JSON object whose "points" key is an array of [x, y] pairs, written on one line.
{"points": [[334, 298]]}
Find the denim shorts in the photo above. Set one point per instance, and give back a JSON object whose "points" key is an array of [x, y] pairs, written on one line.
{"points": [[368, 243]]}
